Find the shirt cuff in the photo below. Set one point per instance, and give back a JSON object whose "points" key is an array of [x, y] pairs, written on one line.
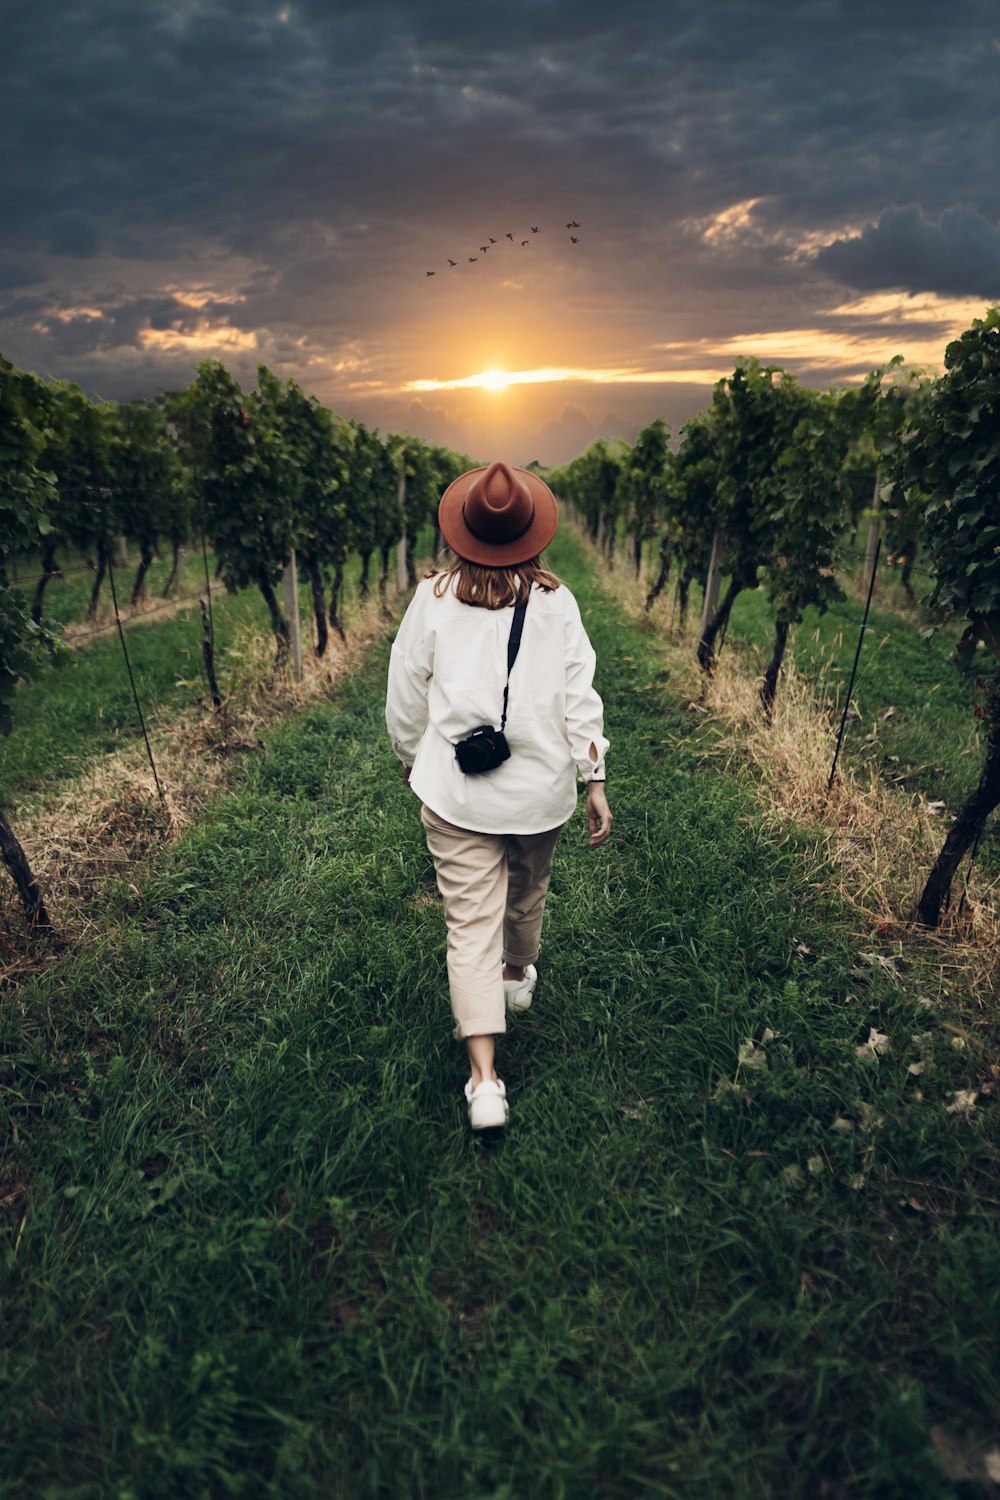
{"points": [[407, 757]]}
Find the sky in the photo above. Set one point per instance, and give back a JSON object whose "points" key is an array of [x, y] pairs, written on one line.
{"points": [[810, 181]]}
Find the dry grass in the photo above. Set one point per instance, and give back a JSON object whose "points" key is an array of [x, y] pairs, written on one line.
{"points": [[871, 844], [106, 824]]}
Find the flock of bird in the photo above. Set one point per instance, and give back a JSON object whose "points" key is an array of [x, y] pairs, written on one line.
{"points": [[574, 239]]}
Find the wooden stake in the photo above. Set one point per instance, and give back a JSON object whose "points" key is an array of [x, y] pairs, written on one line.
{"points": [[291, 582], [401, 549]]}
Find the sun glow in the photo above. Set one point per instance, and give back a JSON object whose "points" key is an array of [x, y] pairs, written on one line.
{"points": [[493, 380], [631, 375]]}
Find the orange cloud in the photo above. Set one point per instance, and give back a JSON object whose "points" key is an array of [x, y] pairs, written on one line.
{"points": [[200, 296], [204, 338]]}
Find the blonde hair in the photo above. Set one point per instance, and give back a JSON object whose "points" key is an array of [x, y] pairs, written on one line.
{"points": [[490, 587]]}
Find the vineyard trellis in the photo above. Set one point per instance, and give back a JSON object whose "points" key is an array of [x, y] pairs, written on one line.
{"points": [[765, 484], [262, 478]]}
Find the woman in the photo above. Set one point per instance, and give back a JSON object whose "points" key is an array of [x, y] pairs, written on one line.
{"points": [[492, 833]]}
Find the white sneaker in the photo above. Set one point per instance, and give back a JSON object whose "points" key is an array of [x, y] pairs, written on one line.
{"points": [[517, 993], [487, 1102]]}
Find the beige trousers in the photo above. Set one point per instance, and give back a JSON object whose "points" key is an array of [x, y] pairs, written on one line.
{"points": [[493, 886]]}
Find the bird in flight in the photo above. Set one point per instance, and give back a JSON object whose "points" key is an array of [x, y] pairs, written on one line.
{"points": [[491, 240]]}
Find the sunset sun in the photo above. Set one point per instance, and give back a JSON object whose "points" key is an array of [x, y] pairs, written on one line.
{"points": [[494, 380]]}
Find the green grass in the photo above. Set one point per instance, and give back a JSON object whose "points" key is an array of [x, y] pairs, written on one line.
{"points": [[69, 714], [260, 1254]]}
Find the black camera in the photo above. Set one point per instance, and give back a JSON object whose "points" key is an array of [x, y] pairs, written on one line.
{"points": [[486, 748], [483, 750]]}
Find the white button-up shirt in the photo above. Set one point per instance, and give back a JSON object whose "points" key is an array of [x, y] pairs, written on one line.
{"points": [[447, 670]]}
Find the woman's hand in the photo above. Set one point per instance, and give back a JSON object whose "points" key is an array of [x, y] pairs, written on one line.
{"points": [[598, 814]]}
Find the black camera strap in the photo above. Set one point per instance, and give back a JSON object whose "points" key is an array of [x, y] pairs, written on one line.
{"points": [[513, 645]]}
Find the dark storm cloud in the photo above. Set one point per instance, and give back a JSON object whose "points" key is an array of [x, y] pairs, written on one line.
{"points": [[18, 307], [73, 233], [18, 273], [313, 158], [957, 255], [186, 120]]}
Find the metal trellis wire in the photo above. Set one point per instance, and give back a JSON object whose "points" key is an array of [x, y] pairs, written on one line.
{"points": [[128, 664], [136, 618], [861, 635]]}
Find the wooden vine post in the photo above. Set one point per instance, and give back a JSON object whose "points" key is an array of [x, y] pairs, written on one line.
{"points": [[401, 578]]}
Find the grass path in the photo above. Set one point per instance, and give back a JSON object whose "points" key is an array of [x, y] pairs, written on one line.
{"points": [[250, 1247]]}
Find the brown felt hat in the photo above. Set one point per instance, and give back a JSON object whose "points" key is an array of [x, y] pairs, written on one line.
{"points": [[498, 515]]}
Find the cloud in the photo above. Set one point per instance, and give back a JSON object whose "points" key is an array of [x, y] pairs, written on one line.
{"points": [[18, 307], [573, 431], [958, 256], [73, 232], [18, 273], [435, 425], [269, 181]]}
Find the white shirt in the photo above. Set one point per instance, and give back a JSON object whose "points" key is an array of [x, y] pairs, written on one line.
{"points": [[447, 670]]}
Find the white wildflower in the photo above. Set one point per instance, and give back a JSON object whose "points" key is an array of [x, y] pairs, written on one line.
{"points": [[752, 1056], [877, 1043]]}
